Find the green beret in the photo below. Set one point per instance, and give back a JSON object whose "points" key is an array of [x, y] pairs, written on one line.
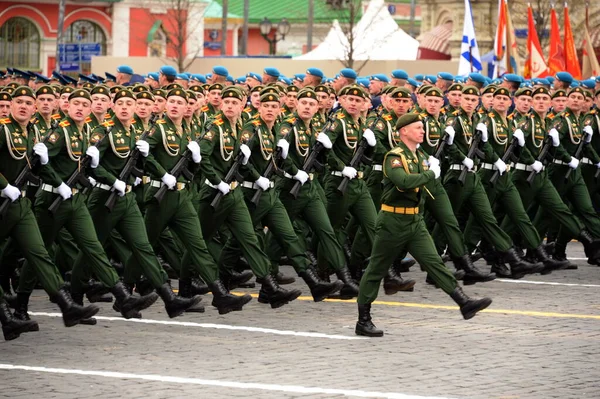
{"points": [[321, 89], [269, 90], [307, 93], [470, 90], [540, 90], [423, 89], [489, 89], [197, 89], [559, 93], [215, 86], [400, 92], [101, 89], [407, 119], [5, 96], [160, 93], [191, 95], [66, 89], [456, 87], [139, 88], [23, 91], [523, 91], [124, 93], [388, 89], [292, 89], [206, 86], [13, 85], [80, 93], [257, 88], [144, 95], [587, 93], [172, 86], [116, 89], [88, 86], [576, 90], [268, 97], [232, 92], [45, 89], [502, 91], [9, 90], [354, 90], [179, 92], [434, 92]]}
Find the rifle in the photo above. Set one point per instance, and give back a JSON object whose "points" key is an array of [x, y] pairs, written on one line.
{"points": [[541, 157], [231, 174], [270, 169], [359, 154], [181, 167], [26, 174], [505, 158], [78, 175], [442, 147], [577, 155], [474, 151], [130, 167]]}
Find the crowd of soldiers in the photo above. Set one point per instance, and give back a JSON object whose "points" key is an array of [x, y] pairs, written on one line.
{"points": [[111, 185]]}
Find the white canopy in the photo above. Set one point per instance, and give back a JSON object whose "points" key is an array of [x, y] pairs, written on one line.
{"points": [[376, 37]]}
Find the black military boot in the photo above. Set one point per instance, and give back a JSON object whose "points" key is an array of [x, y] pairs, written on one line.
{"points": [[10, 298], [276, 296], [224, 301], [364, 325], [198, 287], [472, 273], [72, 312], [350, 288], [519, 268], [591, 247], [233, 279], [549, 264], [129, 305], [176, 305], [319, 288], [144, 287], [78, 299], [393, 283], [117, 306], [500, 269], [403, 265], [469, 307], [282, 279], [21, 310], [95, 291], [186, 291], [12, 327]]}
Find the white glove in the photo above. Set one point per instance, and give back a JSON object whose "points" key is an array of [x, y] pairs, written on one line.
{"points": [[589, 132], [195, 150], [93, 153], [119, 187], [370, 137], [325, 140], [223, 187], [451, 133], [433, 161], [285, 148], [169, 180], [468, 162], [349, 172], [301, 176], [64, 191], [41, 151], [137, 181], [92, 181], [518, 134], [500, 166], [554, 136], [143, 147], [263, 183], [537, 166], [574, 163], [246, 151], [11, 192], [437, 171], [484, 133]]}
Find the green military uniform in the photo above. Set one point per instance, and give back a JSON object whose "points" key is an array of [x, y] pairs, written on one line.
{"points": [[588, 167]]}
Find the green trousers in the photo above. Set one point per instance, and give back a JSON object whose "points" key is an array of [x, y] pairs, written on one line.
{"points": [[20, 224], [396, 234], [589, 177]]}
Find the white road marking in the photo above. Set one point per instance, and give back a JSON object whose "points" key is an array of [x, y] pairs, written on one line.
{"points": [[219, 383], [215, 326], [547, 283]]}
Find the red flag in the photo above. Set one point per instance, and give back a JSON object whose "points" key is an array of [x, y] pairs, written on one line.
{"points": [[535, 65], [571, 60], [556, 59]]}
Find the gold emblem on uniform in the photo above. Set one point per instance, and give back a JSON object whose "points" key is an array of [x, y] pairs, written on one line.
{"points": [[396, 163], [23, 91]]}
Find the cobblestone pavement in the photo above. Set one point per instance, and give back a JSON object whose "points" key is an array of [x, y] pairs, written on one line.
{"points": [[536, 341]]}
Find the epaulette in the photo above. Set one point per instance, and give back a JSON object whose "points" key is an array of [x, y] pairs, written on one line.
{"points": [[108, 123], [56, 116], [64, 124], [34, 120], [204, 108], [161, 121], [397, 150], [87, 119], [4, 121]]}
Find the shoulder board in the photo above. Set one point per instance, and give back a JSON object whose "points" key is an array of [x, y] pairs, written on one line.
{"points": [[397, 151], [56, 116], [161, 121], [204, 108], [87, 119], [34, 120], [64, 124], [108, 123], [4, 121]]}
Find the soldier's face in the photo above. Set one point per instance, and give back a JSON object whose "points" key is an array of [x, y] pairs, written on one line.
{"points": [[201, 100], [79, 109], [433, 105], [143, 107], [100, 103], [190, 108], [541, 103], [523, 104], [269, 111], [45, 103], [255, 99], [22, 109], [125, 108], [501, 103], [597, 100], [159, 105], [291, 100], [413, 133], [454, 97], [231, 107], [64, 102], [400, 106], [4, 109], [469, 102], [575, 101], [487, 100], [352, 104], [176, 107], [559, 104], [307, 108], [323, 99], [214, 97]]}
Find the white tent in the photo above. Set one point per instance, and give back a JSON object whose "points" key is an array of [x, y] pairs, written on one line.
{"points": [[376, 37]]}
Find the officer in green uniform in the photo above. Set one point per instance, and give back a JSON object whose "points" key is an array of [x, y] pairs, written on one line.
{"points": [[214, 99], [589, 168], [101, 103], [400, 226], [522, 107], [251, 111], [167, 144]]}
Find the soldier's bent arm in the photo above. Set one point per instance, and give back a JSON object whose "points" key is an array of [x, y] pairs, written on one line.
{"points": [[394, 168]]}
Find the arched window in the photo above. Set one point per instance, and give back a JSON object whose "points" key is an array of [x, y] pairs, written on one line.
{"points": [[85, 32], [19, 44]]}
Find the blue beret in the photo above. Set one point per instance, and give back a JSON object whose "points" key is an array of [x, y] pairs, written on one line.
{"points": [[550, 79], [41, 78], [564, 77], [301, 76], [488, 81], [208, 75], [380, 77], [430, 78], [459, 79], [329, 80], [445, 76], [598, 79], [182, 76], [511, 77], [543, 81], [419, 77], [413, 82], [241, 80], [364, 82], [229, 78], [399, 74], [348, 73], [198, 77], [254, 75], [285, 80], [220, 70], [168, 70], [315, 72], [589, 83], [272, 72], [153, 76], [526, 83], [574, 83], [125, 69]]}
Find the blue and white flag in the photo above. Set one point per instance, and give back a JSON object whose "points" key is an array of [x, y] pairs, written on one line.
{"points": [[470, 61]]}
